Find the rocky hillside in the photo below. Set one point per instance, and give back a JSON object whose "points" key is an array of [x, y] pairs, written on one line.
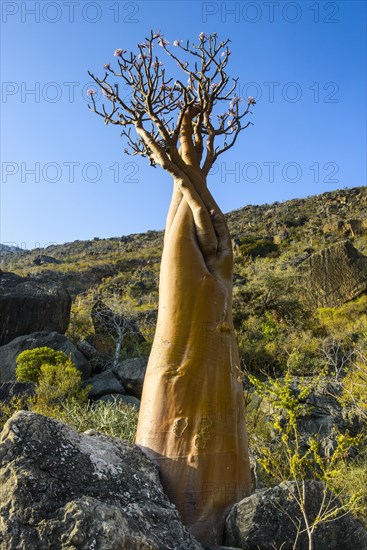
{"points": [[297, 265], [289, 231]]}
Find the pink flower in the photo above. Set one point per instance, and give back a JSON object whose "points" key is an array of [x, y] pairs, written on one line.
{"points": [[107, 94], [107, 66], [119, 52], [185, 64], [163, 42], [91, 92], [251, 101], [157, 64], [177, 42], [202, 35], [235, 101], [214, 85]]}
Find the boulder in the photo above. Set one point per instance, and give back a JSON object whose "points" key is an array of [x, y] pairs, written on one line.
{"points": [[103, 384], [99, 361], [31, 304], [131, 372], [64, 490], [43, 259], [267, 519], [9, 390], [9, 352], [326, 417], [335, 275]]}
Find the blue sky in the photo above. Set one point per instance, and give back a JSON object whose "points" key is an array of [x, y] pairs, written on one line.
{"points": [[64, 174]]}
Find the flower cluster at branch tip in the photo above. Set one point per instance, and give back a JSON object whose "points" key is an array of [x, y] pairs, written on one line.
{"points": [[157, 64], [163, 42], [91, 92], [214, 85], [185, 64], [251, 101], [177, 42], [235, 101], [107, 66], [202, 36], [107, 94], [119, 52]]}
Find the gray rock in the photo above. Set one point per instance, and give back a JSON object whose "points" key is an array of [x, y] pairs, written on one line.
{"points": [[8, 390], [335, 275], [103, 384], [43, 259], [115, 398], [131, 372], [326, 418], [99, 361], [87, 349], [63, 490], [264, 521], [31, 304], [9, 352]]}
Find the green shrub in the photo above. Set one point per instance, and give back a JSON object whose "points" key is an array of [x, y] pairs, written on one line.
{"points": [[30, 361], [57, 384], [254, 247]]}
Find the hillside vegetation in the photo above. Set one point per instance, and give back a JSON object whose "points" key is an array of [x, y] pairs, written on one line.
{"points": [[277, 323]]}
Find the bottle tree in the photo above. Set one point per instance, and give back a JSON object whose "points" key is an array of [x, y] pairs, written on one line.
{"points": [[191, 421]]}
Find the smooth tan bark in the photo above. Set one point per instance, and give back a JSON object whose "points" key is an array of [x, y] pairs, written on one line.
{"points": [[191, 420]]}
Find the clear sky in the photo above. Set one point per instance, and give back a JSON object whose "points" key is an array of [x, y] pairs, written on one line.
{"points": [[64, 174]]}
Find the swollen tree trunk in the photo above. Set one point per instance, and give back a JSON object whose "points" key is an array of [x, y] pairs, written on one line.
{"points": [[191, 420]]}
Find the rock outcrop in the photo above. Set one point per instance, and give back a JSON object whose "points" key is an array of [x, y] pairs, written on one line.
{"points": [[103, 384], [9, 390], [126, 377], [131, 372], [9, 352], [268, 519], [335, 275], [31, 304], [63, 490]]}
